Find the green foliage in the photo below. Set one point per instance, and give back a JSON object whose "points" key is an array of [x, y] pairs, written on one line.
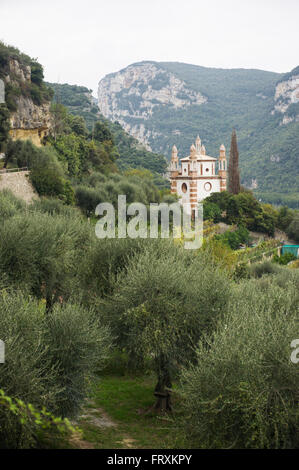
{"points": [[284, 218], [243, 209], [29, 421], [4, 126], [132, 154], [284, 259], [293, 229], [243, 391], [258, 270], [78, 100], [211, 211], [161, 306], [97, 189], [45, 263], [78, 344], [10, 205], [49, 359], [234, 239], [47, 177], [79, 151], [54, 206]]}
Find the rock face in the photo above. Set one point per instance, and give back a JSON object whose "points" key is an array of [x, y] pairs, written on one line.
{"points": [[286, 95], [134, 94], [29, 121]]}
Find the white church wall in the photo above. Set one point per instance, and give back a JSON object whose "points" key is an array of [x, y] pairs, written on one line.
{"points": [[205, 187]]}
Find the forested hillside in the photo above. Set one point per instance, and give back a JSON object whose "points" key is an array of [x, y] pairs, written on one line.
{"points": [[132, 154], [163, 104]]}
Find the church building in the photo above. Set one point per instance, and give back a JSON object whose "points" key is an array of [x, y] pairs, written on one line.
{"points": [[195, 177]]}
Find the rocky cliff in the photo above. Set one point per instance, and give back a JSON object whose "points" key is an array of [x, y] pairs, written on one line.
{"points": [[286, 95], [132, 95], [29, 120], [26, 95]]}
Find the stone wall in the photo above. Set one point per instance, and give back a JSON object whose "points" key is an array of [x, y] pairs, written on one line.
{"points": [[19, 184]]}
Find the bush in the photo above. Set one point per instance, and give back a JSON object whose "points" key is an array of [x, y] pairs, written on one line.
{"points": [[54, 207], [88, 198], [211, 211], [258, 270], [104, 260], [48, 179], [293, 230], [31, 423], [243, 391], [284, 259], [77, 345], [234, 239], [10, 205], [46, 260], [48, 359]]}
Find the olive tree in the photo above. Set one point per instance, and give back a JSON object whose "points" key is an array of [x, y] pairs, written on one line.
{"points": [[243, 390], [41, 253], [161, 305]]}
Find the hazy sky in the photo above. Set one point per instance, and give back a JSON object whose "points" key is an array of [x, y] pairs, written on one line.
{"points": [[81, 41]]}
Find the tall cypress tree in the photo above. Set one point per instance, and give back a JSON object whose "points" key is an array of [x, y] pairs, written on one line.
{"points": [[233, 166]]}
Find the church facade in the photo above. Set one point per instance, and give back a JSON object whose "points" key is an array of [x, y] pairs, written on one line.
{"points": [[197, 176]]}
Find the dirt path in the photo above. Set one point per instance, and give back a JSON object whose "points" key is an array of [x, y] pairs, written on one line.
{"points": [[98, 419]]}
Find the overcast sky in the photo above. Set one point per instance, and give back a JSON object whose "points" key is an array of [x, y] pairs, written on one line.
{"points": [[79, 42]]}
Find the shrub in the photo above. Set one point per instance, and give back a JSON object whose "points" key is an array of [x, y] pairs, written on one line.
{"points": [[10, 205], [284, 259], [258, 270], [293, 230], [104, 260], [211, 211], [77, 345], [46, 261], [88, 198], [53, 206], [30, 422], [49, 359], [243, 390]]}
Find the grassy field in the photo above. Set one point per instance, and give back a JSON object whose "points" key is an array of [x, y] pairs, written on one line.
{"points": [[118, 416]]}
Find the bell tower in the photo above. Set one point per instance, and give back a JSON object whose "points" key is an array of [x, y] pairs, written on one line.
{"points": [[174, 169], [222, 168]]}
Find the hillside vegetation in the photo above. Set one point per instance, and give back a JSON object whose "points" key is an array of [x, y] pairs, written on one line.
{"points": [[132, 154]]}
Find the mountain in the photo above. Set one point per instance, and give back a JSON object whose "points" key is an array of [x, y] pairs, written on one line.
{"points": [[166, 103], [132, 154]]}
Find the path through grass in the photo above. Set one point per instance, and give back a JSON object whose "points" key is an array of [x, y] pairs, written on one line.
{"points": [[117, 416]]}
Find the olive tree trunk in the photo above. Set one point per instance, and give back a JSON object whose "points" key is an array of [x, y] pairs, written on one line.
{"points": [[162, 390]]}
